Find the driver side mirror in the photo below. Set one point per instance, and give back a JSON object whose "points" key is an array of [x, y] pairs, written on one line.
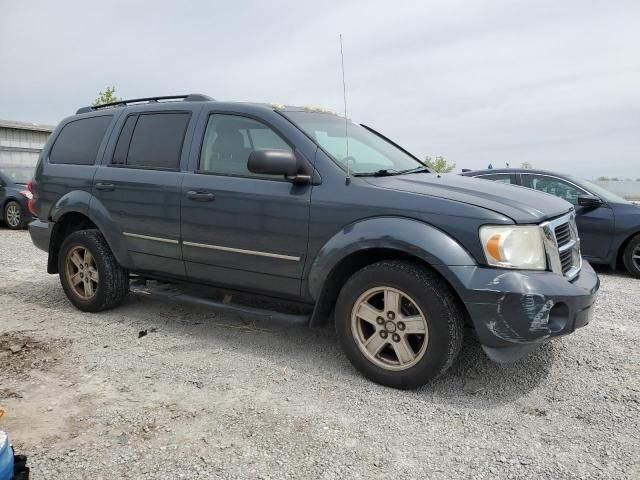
{"points": [[590, 201], [277, 162]]}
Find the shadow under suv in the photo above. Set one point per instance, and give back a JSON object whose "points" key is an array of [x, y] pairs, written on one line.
{"points": [[302, 205]]}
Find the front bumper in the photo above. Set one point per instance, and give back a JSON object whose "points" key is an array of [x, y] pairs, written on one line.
{"points": [[514, 310]]}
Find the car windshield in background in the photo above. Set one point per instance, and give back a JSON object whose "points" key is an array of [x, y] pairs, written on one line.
{"points": [[601, 192], [18, 174], [366, 152]]}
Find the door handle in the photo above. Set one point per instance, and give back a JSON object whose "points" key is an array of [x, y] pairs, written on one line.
{"points": [[105, 187], [200, 196]]}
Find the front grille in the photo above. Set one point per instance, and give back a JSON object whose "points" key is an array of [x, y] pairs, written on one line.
{"points": [[562, 245], [566, 260], [563, 234]]}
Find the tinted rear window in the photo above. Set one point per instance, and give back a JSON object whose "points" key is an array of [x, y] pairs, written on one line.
{"points": [[157, 140], [79, 141]]}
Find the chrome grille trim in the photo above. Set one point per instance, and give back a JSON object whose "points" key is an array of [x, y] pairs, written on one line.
{"points": [[557, 256]]}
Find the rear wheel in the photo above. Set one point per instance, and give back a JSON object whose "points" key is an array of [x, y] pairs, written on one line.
{"points": [[90, 275], [631, 256], [399, 323], [13, 216]]}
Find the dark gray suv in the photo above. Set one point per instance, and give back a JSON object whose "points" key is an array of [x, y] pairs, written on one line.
{"points": [[301, 205]]}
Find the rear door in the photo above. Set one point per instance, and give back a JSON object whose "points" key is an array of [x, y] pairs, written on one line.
{"points": [[239, 228], [139, 186], [595, 225]]}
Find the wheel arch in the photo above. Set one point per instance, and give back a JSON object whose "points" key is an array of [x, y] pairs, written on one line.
{"points": [[618, 260], [368, 242], [72, 220]]}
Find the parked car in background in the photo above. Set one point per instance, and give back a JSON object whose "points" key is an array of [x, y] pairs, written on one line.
{"points": [[608, 225], [305, 206], [15, 196]]}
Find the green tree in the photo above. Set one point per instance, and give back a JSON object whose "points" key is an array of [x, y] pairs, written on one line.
{"points": [[108, 96], [439, 164], [526, 165]]}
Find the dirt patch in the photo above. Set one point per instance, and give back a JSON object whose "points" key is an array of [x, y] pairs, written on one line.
{"points": [[20, 353]]}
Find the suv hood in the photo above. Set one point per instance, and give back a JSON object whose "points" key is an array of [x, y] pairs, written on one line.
{"points": [[521, 204]]}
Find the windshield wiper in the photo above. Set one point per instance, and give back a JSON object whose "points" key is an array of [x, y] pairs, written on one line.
{"points": [[385, 172], [414, 170]]}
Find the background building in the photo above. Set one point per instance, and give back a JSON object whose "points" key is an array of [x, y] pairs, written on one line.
{"points": [[21, 143]]}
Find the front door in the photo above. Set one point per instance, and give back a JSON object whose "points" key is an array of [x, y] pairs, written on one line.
{"points": [[139, 187], [595, 225], [239, 228]]}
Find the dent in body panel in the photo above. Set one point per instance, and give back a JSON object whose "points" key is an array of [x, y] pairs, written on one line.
{"points": [[518, 302]]}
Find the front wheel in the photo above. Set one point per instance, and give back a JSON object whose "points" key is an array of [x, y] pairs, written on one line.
{"points": [[631, 256], [89, 273], [399, 323]]}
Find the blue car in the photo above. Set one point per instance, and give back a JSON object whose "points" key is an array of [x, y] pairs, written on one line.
{"points": [[609, 226], [15, 196]]}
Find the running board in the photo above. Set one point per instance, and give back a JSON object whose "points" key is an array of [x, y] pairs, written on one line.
{"points": [[184, 294]]}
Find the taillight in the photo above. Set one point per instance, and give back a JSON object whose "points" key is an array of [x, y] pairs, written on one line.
{"points": [[32, 198]]}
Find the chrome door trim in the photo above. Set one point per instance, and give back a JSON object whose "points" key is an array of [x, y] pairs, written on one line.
{"points": [[147, 237], [240, 250]]}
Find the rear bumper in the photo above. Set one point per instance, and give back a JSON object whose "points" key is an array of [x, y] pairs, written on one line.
{"points": [[513, 310], [40, 234]]}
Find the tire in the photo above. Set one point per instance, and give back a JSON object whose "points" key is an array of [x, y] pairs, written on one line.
{"points": [[631, 256], [14, 217], [425, 296], [106, 284]]}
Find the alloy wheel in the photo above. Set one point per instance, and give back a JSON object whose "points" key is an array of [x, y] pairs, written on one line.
{"points": [[13, 215], [635, 257], [82, 272], [389, 328]]}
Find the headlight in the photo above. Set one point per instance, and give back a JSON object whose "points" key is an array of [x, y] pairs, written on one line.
{"points": [[26, 194], [514, 246]]}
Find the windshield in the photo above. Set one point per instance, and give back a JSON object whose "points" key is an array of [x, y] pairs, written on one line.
{"points": [[366, 152], [601, 192], [17, 174]]}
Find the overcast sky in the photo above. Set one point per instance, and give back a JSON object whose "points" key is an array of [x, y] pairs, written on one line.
{"points": [[554, 83]]}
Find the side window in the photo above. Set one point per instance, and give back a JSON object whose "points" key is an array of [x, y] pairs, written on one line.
{"points": [[79, 141], [230, 139], [497, 177], [554, 186], [151, 140]]}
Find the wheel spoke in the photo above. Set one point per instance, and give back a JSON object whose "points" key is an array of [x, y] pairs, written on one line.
{"points": [[76, 259], [391, 301], [88, 258], [368, 313], [403, 350], [414, 324], [375, 343], [93, 274], [75, 279], [88, 288]]}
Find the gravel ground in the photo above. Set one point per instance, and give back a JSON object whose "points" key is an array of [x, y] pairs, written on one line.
{"points": [[206, 395]]}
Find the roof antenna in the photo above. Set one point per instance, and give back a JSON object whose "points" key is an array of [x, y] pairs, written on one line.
{"points": [[346, 122]]}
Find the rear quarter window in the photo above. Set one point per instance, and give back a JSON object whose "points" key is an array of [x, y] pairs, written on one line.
{"points": [[79, 141]]}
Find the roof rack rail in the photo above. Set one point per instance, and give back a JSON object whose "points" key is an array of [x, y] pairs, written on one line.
{"points": [[192, 97]]}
